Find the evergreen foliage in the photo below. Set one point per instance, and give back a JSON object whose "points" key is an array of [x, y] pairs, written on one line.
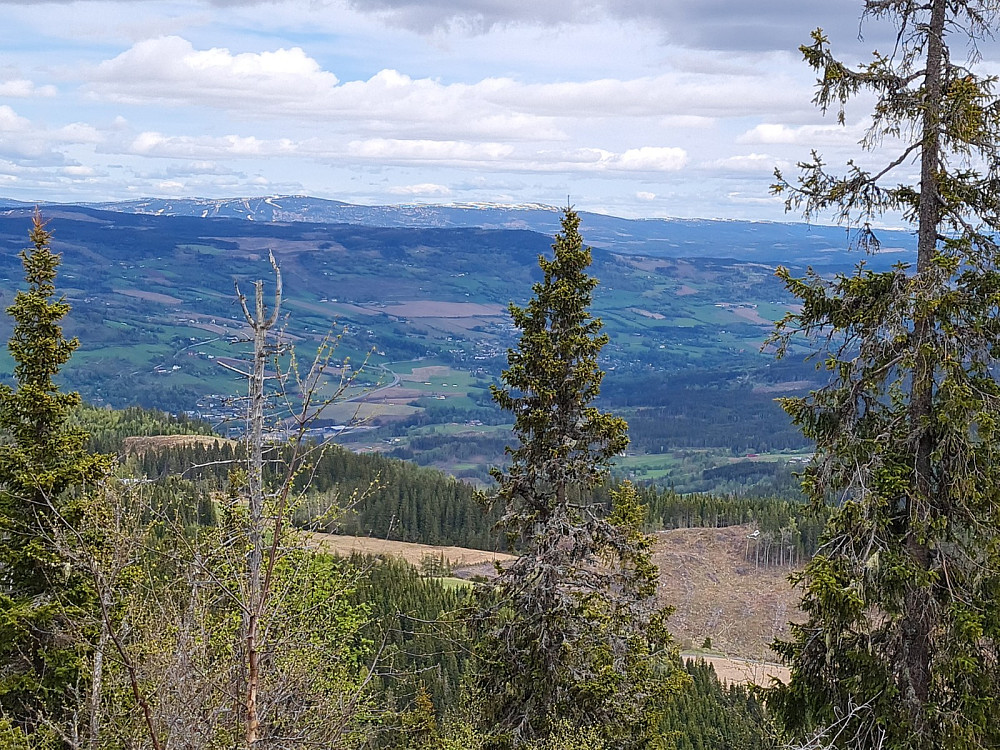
{"points": [[107, 429], [420, 650], [371, 495], [569, 634], [901, 648], [43, 468], [713, 716]]}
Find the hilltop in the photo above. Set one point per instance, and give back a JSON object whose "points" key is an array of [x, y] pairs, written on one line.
{"points": [[791, 243]]}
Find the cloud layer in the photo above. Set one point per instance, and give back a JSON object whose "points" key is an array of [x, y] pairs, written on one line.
{"points": [[640, 107]]}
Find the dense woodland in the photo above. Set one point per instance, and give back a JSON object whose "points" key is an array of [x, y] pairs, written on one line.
{"points": [[391, 499]]}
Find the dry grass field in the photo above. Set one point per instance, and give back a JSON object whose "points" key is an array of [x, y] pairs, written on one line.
{"points": [[412, 553], [743, 671], [702, 573]]}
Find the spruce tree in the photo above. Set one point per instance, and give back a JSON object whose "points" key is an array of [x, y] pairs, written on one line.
{"points": [[570, 633], [42, 459], [901, 646]]}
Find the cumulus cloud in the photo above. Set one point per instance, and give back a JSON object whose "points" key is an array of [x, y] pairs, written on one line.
{"points": [[706, 24], [170, 70], [428, 189], [681, 99], [650, 159], [27, 142], [151, 143], [427, 151], [11, 121], [78, 171], [287, 84], [770, 133], [645, 159], [23, 89], [388, 151], [754, 163]]}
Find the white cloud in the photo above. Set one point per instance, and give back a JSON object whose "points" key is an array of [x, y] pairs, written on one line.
{"points": [[77, 132], [152, 143], [170, 70], [495, 156], [448, 152], [682, 100], [761, 163], [769, 133], [288, 84], [645, 196], [23, 89], [11, 121], [428, 189], [650, 159], [22, 139], [645, 159]]}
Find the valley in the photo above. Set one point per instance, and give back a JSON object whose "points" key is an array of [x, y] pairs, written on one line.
{"points": [[418, 307]]}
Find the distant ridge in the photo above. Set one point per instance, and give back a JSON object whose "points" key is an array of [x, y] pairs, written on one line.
{"points": [[755, 241]]}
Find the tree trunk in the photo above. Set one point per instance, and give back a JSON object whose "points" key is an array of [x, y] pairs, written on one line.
{"points": [[256, 502], [256, 595], [916, 636], [97, 685]]}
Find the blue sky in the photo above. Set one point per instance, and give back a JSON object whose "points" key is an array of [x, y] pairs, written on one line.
{"points": [[643, 108]]}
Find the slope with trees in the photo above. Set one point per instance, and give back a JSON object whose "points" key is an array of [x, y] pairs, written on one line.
{"points": [[43, 469]]}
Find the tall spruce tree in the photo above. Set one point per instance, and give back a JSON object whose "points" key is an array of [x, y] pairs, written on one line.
{"points": [[901, 646], [571, 633], [42, 459]]}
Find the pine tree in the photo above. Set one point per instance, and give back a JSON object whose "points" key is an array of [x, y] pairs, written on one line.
{"points": [[42, 459], [902, 642], [570, 631]]}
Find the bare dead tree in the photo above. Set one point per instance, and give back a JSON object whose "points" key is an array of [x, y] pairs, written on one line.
{"points": [[260, 324]]}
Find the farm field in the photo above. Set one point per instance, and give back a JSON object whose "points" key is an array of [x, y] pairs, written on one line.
{"points": [[412, 553], [154, 307]]}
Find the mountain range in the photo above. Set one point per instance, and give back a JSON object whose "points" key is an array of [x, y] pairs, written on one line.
{"points": [[791, 243]]}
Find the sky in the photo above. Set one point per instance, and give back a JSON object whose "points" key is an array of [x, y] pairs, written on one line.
{"points": [[638, 108]]}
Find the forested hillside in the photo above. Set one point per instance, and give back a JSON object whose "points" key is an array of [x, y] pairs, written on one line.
{"points": [[152, 300], [176, 541]]}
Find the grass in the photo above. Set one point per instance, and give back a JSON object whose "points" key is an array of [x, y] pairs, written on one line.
{"points": [[141, 356], [450, 582]]}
